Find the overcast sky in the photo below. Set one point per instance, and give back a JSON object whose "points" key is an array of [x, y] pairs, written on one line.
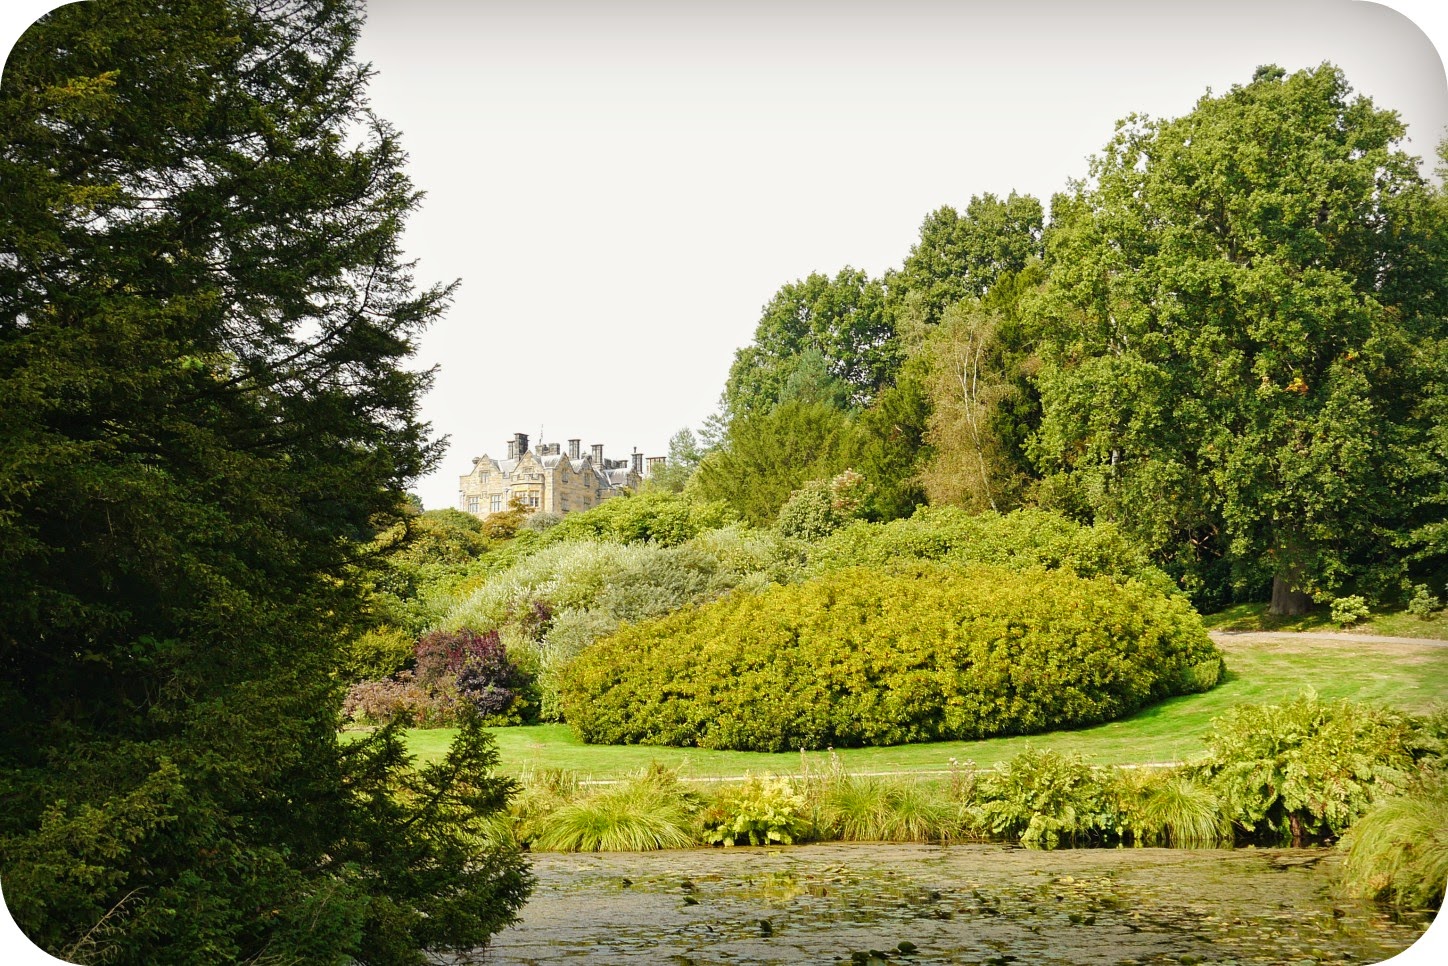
{"points": [[622, 186]]}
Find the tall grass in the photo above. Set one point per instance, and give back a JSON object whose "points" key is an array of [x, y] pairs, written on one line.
{"points": [[650, 811], [1398, 850], [869, 809], [1180, 813]]}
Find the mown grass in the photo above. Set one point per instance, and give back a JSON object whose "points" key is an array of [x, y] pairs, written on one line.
{"points": [[1411, 677]]}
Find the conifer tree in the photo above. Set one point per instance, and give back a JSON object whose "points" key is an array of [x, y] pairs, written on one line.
{"points": [[205, 408]]}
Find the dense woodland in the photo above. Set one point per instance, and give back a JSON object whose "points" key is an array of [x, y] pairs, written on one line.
{"points": [[1212, 370], [1227, 338]]}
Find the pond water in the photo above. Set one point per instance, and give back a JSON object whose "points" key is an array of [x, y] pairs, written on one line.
{"points": [[922, 904]]}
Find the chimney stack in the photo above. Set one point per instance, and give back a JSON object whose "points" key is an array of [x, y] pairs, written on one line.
{"points": [[573, 448], [520, 445], [654, 462], [598, 455], [638, 463]]}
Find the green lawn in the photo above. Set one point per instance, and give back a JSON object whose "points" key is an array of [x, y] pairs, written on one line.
{"points": [[1407, 676]]}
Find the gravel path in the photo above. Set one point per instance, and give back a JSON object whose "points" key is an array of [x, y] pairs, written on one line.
{"points": [[1326, 637]]}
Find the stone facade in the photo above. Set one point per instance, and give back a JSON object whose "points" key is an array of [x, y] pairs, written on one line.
{"points": [[549, 479]]}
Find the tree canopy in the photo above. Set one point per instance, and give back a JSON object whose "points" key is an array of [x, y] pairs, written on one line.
{"points": [[205, 412], [1231, 346]]}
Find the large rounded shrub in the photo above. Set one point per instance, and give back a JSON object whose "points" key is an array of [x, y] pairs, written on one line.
{"points": [[868, 657]]}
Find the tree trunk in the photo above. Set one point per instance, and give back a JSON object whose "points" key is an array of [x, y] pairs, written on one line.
{"points": [[1287, 600]]}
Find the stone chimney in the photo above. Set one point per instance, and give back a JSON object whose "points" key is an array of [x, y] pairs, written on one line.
{"points": [[598, 455], [654, 463], [638, 463], [573, 448], [520, 445]]}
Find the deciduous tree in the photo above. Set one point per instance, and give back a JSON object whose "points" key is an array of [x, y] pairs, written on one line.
{"points": [[1240, 294]]}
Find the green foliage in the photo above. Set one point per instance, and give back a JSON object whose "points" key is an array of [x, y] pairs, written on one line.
{"points": [[205, 418], [1398, 849], [1021, 539], [864, 657], [1042, 798], [1347, 611], [858, 808], [963, 256], [1179, 812], [1305, 769], [421, 845], [821, 341], [758, 811], [1233, 350], [650, 811], [666, 519], [1423, 603], [685, 453], [588, 588], [821, 507], [768, 454], [376, 654]]}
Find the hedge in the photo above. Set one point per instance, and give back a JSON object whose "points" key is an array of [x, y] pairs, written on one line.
{"points": [[870, 657]]}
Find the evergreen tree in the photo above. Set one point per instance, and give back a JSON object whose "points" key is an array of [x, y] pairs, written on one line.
{"points": [[204, 410]]}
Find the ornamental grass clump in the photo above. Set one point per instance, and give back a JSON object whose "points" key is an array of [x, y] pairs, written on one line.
{"points": [[930, 652], [1398, 850], [649, 811], [1176, 811], [872, 809]]}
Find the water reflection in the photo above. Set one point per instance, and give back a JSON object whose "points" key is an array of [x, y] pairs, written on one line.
{"points": [[960, 904]]}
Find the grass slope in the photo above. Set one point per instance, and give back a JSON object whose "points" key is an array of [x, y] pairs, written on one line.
{"points": [[1408, 676]]}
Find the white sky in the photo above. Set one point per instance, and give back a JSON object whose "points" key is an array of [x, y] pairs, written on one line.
{"points": [[622, 186]]}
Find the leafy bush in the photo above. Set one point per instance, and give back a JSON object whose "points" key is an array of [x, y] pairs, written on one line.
{"points": [[1347, 611], [477, 668], [1305, 769], [542, 520], [865, 657], [377, 653], [821, 507], [382, 702], [589, 587], [1019, 540], [760, 811], [1041, 798], [1398, 850], [665, 519], [1423, 604]]}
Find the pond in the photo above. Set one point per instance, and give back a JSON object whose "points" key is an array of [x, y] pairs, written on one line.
{"points": [[923, 904]]}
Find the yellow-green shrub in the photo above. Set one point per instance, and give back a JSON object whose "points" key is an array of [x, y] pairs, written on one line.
{"points": [[868, 657]]}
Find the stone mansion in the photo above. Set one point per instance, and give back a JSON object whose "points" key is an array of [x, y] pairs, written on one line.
{"points": [[548, 479]]}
